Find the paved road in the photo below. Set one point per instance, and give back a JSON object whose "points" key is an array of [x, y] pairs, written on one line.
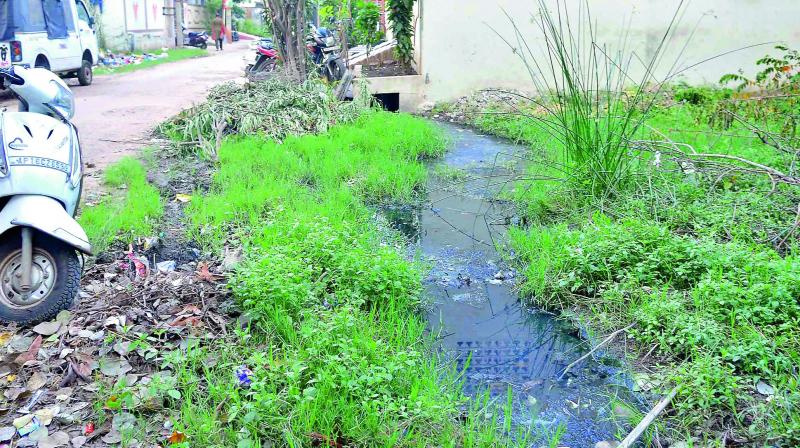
{"points": [[116, 114]]}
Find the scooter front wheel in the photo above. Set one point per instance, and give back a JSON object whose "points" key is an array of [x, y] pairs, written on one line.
{"points": [[55, 279]]}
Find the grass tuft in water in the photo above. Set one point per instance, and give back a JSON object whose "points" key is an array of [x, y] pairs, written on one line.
{"points": [[589, 109]]}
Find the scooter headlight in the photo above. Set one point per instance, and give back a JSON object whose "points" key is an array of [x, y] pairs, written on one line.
{"points": [[63, 102], [76, 168]]}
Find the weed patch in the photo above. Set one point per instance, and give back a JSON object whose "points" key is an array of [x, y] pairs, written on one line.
{"points": [[337, 348], [132, 209]]}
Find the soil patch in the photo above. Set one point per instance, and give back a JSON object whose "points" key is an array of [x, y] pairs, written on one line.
{"points": [[392, 68]]}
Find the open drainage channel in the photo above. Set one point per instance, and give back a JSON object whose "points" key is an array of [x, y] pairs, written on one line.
{"points": [[495, 341]]}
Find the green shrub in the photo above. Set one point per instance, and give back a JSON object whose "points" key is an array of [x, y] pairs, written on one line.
{"points": [[693, 95]]}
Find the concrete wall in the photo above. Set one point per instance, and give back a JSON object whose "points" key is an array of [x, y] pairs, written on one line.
{"points": [[459, 53], [122, 32], [194, 16]]}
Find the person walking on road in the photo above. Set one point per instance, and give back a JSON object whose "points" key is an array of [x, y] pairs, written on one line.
{"points": [[218, 31]]}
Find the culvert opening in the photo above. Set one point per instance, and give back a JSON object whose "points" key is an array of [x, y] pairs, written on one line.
{"points": [[388, 101]]}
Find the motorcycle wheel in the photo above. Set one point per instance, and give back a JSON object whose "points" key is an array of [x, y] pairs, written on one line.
{"points": [[259, 65], [55, 279], [203, 46], [336, 70]]}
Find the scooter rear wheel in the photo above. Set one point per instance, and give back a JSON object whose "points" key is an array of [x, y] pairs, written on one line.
{"points": [[55, 279]]}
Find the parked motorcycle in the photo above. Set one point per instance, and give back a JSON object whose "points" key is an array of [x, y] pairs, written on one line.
{"points": [[195, 39], [266, 59], [40, 187], [325, 53]]}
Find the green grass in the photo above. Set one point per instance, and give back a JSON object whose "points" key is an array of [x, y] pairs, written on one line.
{"points": [[132, 209], [174, 55], [336, 343], [250, 27], [689, 258]]}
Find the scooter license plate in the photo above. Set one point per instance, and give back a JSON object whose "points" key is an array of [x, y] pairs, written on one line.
{"points": [[5, 56], [38, 161]]}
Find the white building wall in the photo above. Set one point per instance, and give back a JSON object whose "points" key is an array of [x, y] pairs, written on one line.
{"points": [[459, 53], [122, 32]]}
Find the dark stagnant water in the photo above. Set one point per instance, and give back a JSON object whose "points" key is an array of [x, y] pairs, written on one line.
{"points": [[477, 312]]}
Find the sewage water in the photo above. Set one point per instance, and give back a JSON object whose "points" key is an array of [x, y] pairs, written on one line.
{"points": [[494, 340]]}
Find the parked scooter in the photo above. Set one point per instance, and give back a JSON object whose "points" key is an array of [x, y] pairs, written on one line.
{"points": [[266, 59], [194, 39], [325, 53], [40, 187]]}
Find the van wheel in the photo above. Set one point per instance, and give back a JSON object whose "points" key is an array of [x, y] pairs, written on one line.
{"points": [[42, 62], [85, 73], [56, 278]]}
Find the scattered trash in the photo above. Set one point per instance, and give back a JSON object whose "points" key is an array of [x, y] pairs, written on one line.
{"points": [[88, 428], [39, 434], [150, 242], [245, 376], [26, 424], [765, 389], [139, 266], [46, 415], [166, 266], [181, 197], [113, 61], [32, 402]]}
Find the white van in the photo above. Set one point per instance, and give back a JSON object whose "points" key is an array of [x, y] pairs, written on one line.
{"points": [[57, 35]]}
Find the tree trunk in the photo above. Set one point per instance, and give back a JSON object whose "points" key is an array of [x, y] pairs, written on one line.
{"points": [[288, 24], [300, 37]]}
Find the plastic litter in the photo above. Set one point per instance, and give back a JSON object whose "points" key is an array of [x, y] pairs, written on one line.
{"points": [[166, 266], [245, 376], [29, 427]]}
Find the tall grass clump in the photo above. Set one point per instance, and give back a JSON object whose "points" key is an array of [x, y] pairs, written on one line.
{"points": [[133, 208], [593, 99]]}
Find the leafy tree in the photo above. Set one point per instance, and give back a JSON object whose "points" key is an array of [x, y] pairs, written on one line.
{"points": [[401, 15], [366, 25]]}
